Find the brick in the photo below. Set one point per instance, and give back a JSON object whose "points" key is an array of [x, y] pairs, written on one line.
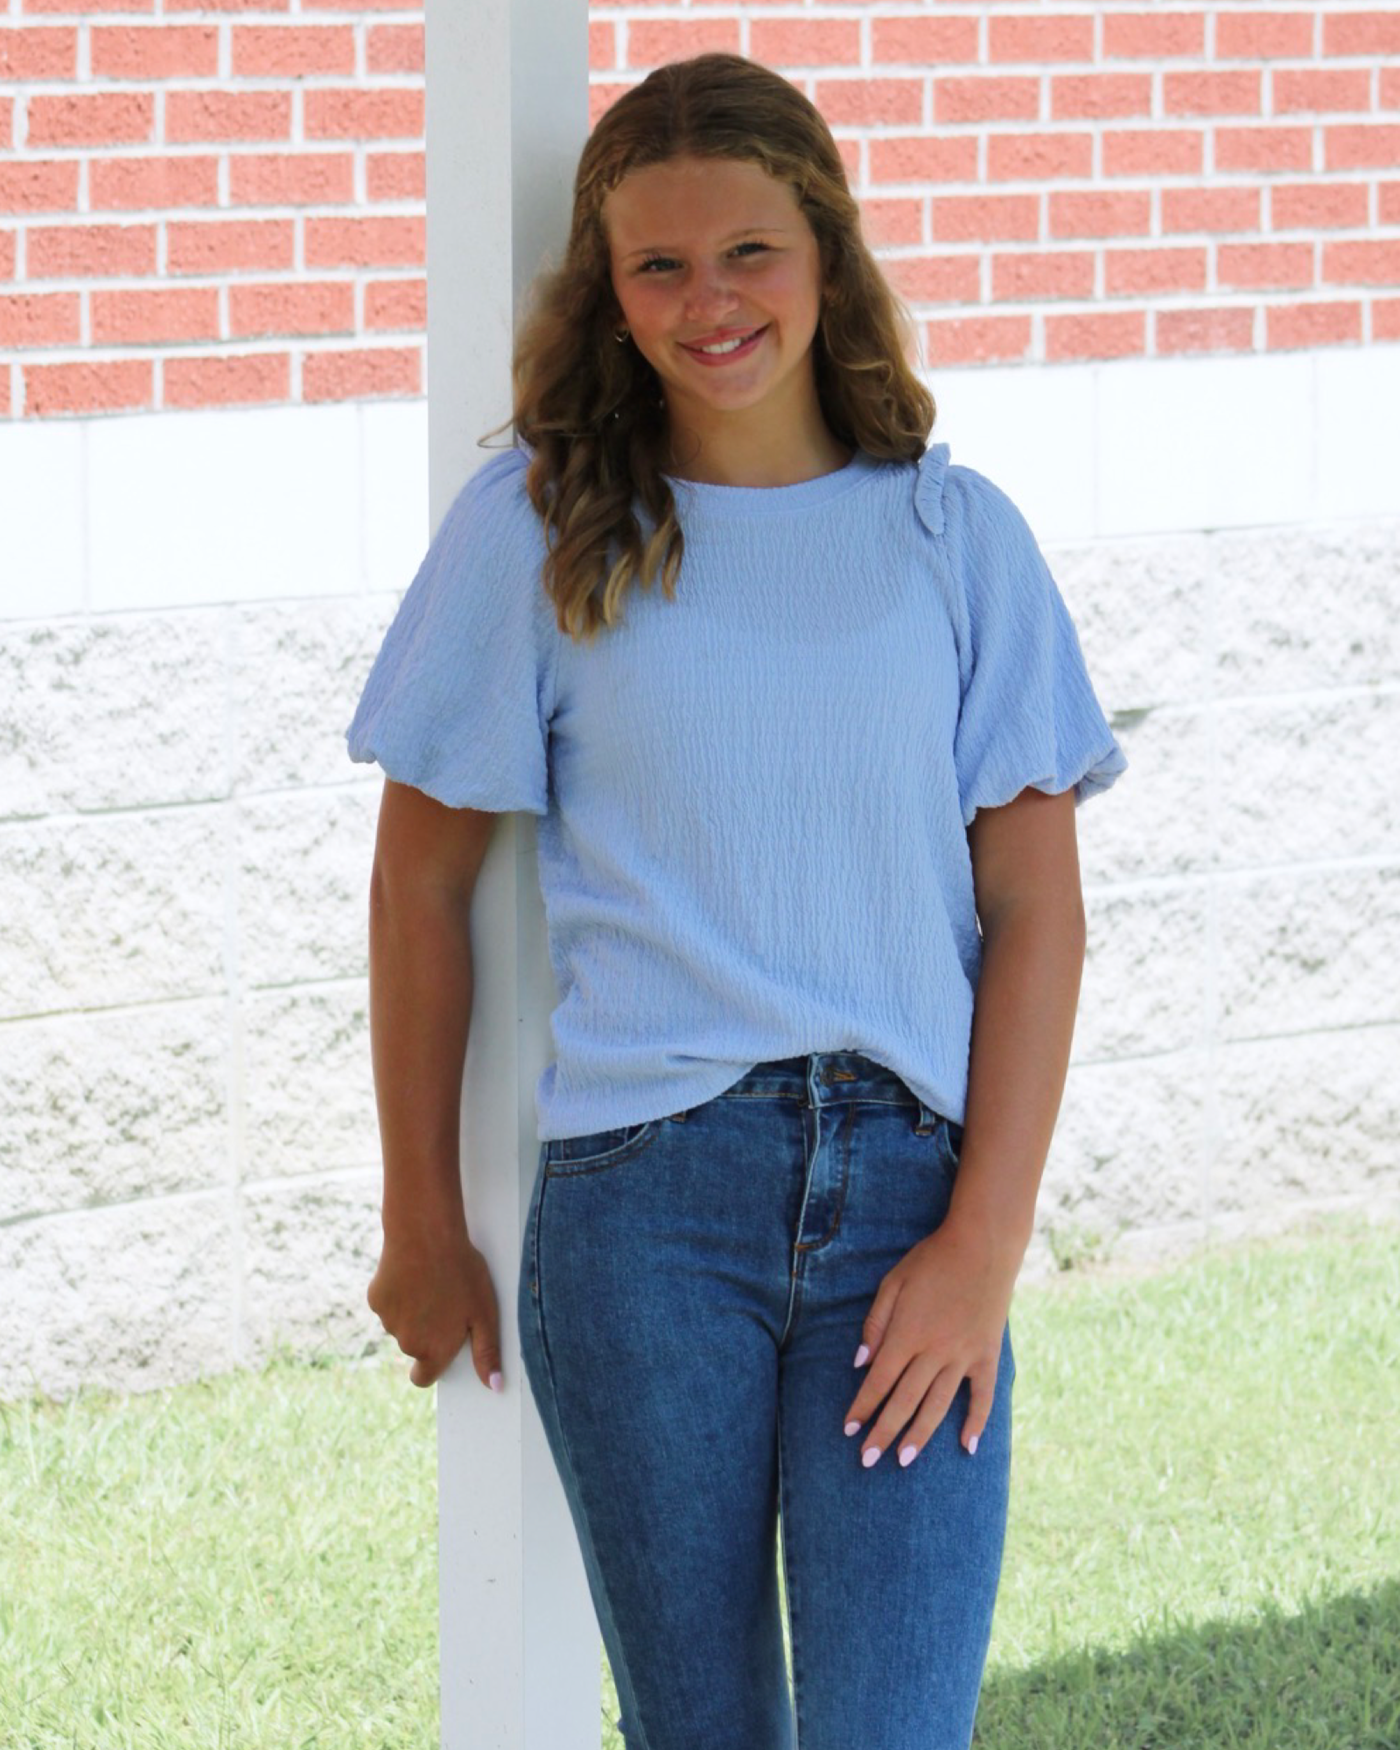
{"points": [[1153, 152], [161, 315], [243, 380], [291, 178], [1160, 36], [1263, 36], [923, 41], [382, 241], [1233, 92], [796, 42], [1265, 148], [980, 218], [1324, 90], [1329, 324], [7, 255], [364, 371], [602, 46], [386, 113], [398, 48], [1357, 146], [1039, 274], [1361, 33], [1108, 213], [40, 319], [1096, 334], [246, 5], [91, 118], [1064, 38], [291, 51], [291, 307], [401, 304], [891, 221], [986, 98], [1211, 209], [936, 279], [395, 176], [83, 7], [227, 115], [354, 5], [974, 340], [120, 184], [144, 51], [222, 245], [1089, 96], [1361, 261], [1154, 272], [1318, 206], [88, 387], [39, 185], [1039, 157], [38, 52], [57, 251], [923, 158], [1225, 329], [870, 102], [1385, 319], [651, 43], [1265, 266]]}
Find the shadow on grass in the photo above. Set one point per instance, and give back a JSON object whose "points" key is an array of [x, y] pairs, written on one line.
{"points": [[1324, 1678]]}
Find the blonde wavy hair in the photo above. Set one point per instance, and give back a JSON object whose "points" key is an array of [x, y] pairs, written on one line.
{"points": [[592, 411]]}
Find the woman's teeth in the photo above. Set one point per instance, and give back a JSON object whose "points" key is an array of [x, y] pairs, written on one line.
{"points": [[727, 345]]}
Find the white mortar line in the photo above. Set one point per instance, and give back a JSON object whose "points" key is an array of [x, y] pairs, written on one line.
{"points": [[234, 1000]]}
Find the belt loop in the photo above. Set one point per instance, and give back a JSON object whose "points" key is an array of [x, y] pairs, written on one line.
{"points": [[927, 1119]]}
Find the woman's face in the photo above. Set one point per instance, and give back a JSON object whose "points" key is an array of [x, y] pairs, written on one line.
{"points": [[710, 249]]}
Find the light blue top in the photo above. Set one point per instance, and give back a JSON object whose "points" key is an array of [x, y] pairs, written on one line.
{"points": [[751, 799]]}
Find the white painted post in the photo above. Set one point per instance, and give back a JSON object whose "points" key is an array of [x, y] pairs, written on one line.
{"points": [[507, 115]]}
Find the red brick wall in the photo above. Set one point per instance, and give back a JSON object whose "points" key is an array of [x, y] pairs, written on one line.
{"points": [[208, 204]]}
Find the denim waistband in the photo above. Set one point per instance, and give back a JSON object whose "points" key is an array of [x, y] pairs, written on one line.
{"points": [[829, 1078]]}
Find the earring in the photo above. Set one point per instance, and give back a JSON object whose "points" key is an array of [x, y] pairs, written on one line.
{"points": [[620, 334]]}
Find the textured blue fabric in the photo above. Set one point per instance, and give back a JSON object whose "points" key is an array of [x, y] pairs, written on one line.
{"points": [[751, 799]]}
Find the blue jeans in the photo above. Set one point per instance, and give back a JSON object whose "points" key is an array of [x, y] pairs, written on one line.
{"points": [[691, 1297]]}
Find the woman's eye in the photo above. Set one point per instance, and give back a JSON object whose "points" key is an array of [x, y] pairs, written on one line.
{"points": [[666, 261]]}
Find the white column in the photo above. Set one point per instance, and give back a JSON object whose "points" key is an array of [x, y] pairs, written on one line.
{"points": [[506, 119]]}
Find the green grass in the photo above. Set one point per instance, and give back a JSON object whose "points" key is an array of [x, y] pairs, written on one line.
{"points": [[1204, 1548]]}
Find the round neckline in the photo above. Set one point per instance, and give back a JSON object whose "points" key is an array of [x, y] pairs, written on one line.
{"points": [[765, 500]]}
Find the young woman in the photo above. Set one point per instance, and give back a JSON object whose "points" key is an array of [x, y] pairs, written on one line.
{"points": [[807, 852]]}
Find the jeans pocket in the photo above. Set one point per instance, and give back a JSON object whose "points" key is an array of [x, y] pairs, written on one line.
{"points": [[951, 1136], [598, 1150]]}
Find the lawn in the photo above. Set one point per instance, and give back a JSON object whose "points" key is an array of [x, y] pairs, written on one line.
{"points": [[1204, 1548]]}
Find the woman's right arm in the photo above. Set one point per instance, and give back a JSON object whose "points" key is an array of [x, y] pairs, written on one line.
{"points": [[432, 1290]]}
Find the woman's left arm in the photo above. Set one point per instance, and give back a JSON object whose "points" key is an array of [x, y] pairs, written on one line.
{"points": [[939, 1315]]}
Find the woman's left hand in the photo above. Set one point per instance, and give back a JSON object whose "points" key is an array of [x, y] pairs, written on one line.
{"points": [[936, 1319]]}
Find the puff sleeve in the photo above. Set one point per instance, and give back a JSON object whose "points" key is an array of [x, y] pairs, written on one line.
{"points": [[1028, 714], [459, 698]]}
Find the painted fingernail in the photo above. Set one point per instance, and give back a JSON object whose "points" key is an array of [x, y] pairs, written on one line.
{"points": [[853, 1427], [907, 1454], [862, 1356], [869, 1456], [496, 1382], [972, 1446]]}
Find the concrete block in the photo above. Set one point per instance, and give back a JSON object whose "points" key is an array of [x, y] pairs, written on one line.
{"points": [[128, 1298], [113, 1106], [1302, 781], [1304, 608], [1158, 819], [303, 901], [308, 1081], [299, 669], [114, 711], [1313, 1118], [122, 908], [1144, 984], [1139, 606], [309, 1250], [1302, 950]]}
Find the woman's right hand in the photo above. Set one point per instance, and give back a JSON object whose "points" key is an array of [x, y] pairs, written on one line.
{"points": [[431, 1295]]}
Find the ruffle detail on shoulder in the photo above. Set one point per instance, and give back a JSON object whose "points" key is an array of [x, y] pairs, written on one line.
{"points": [[928, 486]]}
